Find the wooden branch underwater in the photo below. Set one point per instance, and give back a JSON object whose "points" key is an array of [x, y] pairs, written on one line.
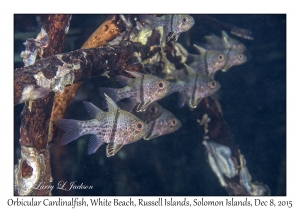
{"points": [[48, 83], [56, 72], [33, 167]]}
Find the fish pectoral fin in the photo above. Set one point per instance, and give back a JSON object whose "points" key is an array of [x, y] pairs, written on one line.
{"points": [[92, 109], [142, 106], [111, 105], [95, 142], [112, 149], [193, 103], [181, 99]]}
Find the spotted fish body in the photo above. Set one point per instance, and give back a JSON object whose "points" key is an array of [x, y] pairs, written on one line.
{"points": [[228, 46], [194, 88], [166, 123], [171, 23], [235, 59], [209, 61], [143, 90], [159, 120], [115, 127]]}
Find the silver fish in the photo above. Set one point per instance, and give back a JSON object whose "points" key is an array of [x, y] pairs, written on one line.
{"points": [[235, 59], [144, 89], [165, 124], [171, 23], [228, 46], [194, 88], [209, 61], [115, 127], [159, 120]]}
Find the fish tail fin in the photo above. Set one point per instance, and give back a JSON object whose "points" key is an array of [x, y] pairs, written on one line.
{"points": [[71, 129], [111, 92]]}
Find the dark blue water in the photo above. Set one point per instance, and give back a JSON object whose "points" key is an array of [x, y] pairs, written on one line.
{"points": [[253, 99]]}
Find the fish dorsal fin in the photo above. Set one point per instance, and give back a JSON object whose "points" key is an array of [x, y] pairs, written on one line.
{"points": [[92, 109], [224, 35], [123, 80], [189, 69], [225, 39], [111, 105], [200, 49], [134, 73], [112, 149], [211, 39], [95, 142]]}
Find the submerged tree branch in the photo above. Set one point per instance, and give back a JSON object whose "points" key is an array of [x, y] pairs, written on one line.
{"points": [[235, 177], [108, 30], [33, 168], [55, 72]]}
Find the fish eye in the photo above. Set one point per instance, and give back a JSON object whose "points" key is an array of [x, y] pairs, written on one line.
{"points": [[221, 57], [213, 84], [173, 122], [153, 109], [161, 84], [139, 126], [241, 56], [184, 20]]}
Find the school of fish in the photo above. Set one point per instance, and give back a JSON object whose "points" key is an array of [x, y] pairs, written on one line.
{"points": [[139, 115]]}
